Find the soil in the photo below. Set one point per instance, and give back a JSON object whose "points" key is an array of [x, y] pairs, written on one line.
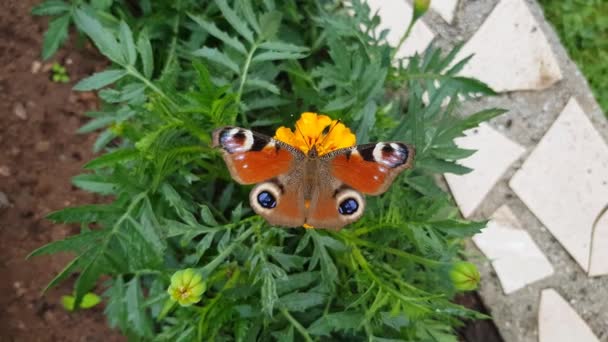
{"points": [[40, 152]]}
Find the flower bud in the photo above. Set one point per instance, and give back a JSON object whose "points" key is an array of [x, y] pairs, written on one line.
{"points": [[465, 276], [420, 7], [187, 287]]}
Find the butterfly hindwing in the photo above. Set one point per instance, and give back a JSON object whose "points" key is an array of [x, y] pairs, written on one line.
{"points": [[254, 158], [371, 168]]}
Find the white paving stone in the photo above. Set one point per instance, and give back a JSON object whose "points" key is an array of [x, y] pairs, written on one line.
{"points": [[599, 250], [515, 257], [396, 15], [558, 322], [564, 182], [445, 8], [510, 51], [495, 153]]}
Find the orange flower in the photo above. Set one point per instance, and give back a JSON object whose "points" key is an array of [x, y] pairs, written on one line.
{"points": [[316, 130]]}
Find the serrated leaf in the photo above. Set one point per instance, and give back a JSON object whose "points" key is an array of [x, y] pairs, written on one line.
{"points": [[302, 301], [55, 36], [339, 103], [136, 314], [297, 281], [82, 214], [280, 46], [100, 80], [103, 139], [442, 166], [289, 261], [213, 30], [112, 158], [145, 52], [94, 183], [51, 7], [207, 216], [216, 56], [103, 38], [237, 23], [70, 244], [127, 44], [276, 55], [338, 321], [270, 23], [256, 83]]}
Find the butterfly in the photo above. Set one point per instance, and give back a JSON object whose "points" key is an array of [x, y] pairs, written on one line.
{"points": [[296, 189]]}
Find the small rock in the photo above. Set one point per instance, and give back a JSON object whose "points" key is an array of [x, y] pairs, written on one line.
{"points": [[68, 61], [87, 96], [4, 203], [5, 171], [19, 289], [42, 146], [47, 67], [36, 66], [19, 110]]}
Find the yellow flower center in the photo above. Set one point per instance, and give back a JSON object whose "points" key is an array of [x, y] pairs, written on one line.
{"points": [[317, 131]]}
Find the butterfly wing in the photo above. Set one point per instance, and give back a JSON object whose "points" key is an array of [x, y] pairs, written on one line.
{"points": [[334, 205], [370, 168], [256, 158]]}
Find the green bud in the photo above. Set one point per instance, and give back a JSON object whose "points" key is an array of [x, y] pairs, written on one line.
{"points": [[187, 287], [420, 7], [465, 276]]}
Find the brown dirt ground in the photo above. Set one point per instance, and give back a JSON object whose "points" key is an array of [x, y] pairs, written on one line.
{"points": [[39, 153]]}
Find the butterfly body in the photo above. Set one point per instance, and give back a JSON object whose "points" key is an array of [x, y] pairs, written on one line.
{"points": [[296, 188]]}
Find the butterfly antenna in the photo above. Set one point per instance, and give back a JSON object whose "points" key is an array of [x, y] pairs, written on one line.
{"points": [[303, 136], [329, 130]]}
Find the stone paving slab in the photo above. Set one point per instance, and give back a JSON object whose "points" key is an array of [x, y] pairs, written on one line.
{"points": [[534, 107]]}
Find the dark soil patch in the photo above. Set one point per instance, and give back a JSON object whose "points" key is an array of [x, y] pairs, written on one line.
{"points": [[39, 153], [480, 330]]}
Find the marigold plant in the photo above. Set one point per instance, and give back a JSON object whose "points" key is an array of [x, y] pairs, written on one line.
{"points": [[181, 68]]}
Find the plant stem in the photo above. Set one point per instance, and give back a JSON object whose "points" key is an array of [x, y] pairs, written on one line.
{"points": [[171, 54], [403, 38], [239, 93], [297, 325], [133, 72], [207, 269]]}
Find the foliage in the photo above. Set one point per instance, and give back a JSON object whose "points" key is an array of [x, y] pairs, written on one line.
{"points": [[59, 74], [182, 68], [583, 28]]}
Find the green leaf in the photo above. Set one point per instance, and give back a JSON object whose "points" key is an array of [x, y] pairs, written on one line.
{"points": [[145, 51], [82, 214], [442, 166], [338, 321], [255, 83], [136, 314], [219, 34], [297, 281], [270, 23], [94, 183], [55, 36], [100, 80], [276, 55], [103, 38], [127, 44], [88, 301], [280, 46], [51, 7], [70, 244], [207, 216], [112, 158], [237, 23], [216, 56], [302, 301]]}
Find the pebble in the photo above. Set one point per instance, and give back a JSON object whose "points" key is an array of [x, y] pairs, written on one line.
{"points": [[36, 66], [19, 111], [42, 146], [4, 203], [5, 171]]}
